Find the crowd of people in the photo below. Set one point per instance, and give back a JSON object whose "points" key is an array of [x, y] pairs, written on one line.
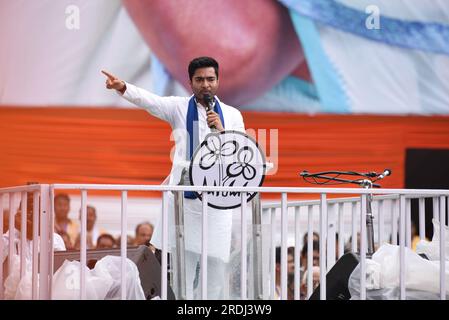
{"points": [[303, 264], [67, 234], [97, 237]]}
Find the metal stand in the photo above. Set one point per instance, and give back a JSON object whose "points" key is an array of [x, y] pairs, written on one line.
{"points": [[365, 183]]}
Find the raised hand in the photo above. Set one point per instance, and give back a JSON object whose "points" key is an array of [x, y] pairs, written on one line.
{"points": [[112, 82]]}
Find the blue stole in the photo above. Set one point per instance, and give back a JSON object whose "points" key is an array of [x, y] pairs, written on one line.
{"points": [[193, 138]]}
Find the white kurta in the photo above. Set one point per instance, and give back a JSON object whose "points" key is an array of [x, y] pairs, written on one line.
{"points": [[174, 111]]}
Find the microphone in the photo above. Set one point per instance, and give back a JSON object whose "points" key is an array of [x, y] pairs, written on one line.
{"points": [[386, 172], [371, 174], [209, 102], [209, 105], [304, 173]]}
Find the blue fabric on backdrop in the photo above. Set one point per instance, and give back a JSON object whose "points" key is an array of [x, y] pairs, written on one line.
{"points": [[425, 36], [327, 81]]}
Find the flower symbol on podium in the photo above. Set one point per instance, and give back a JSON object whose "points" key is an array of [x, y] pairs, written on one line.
{"points": [[243, 166], [227, 159], [216, 151]]}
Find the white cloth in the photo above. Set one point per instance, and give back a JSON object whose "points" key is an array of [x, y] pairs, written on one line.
{"points": [[16, 286], [103, 282], [432, 248], [58, 244], [174, 111], [215, 283], [422, 276]]}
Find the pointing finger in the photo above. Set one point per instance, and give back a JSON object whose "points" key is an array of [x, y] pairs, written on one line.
{"points": [[110, 76]]}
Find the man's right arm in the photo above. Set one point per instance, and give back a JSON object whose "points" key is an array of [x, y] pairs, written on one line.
{"points": [[123, 90], [160, 107]]}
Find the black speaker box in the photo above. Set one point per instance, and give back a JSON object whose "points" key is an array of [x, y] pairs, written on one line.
{"points": [[337, 278]]}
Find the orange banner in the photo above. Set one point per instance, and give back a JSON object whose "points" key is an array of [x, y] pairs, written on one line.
{"points": [[129, 146]]}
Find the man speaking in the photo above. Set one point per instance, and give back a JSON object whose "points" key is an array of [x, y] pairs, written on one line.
{"points": [[191, 119]]}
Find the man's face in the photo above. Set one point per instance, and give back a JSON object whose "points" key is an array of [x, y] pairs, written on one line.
{"points": [[290, 264], [316, 258], [316, 277], [62, 208], [91, 218], [105, 243], [270, 50], [144, 234], [204, 80]]}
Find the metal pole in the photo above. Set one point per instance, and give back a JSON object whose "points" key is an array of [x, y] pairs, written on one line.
{"points": [[83, 245], [323, 241], [180, 246], [180, 238], [164, 246], [45, 249], [257, 246], [1, 248], [369, 219], [284, 230], [402, 265], [124, 243], [442, 248], [204, 249]]}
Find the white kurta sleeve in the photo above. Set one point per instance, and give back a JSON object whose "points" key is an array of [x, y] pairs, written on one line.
{"points": [[238, 123], [160, 107]]}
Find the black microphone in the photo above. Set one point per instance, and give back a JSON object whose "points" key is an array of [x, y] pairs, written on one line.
{"points": [[209, 105], [370, 174], [209, 102], [386, 172]]}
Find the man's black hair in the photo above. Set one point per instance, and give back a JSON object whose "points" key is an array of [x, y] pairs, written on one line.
{"points": [[62, 196], [106, 236], [315, 246], [142, 224], [290, 251], [202, 62]]}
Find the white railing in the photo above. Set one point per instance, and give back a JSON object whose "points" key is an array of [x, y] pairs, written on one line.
{"points": [[40, 252], [43, 218], [386, 209]]}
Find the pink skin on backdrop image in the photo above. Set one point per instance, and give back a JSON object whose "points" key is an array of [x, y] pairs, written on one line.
{"points": [[254, 41]]}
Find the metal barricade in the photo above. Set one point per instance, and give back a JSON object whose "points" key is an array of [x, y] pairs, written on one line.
{"points": [[342, 216]]}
